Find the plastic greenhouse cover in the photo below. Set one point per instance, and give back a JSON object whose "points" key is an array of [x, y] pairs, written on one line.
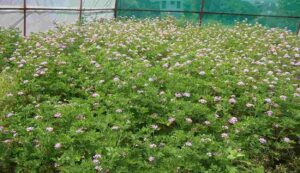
{"points": [[11, 18], [39, 21], [93, 15], [88, 4], [92, 4], [53, 3], [42, 20], [11, 3]]}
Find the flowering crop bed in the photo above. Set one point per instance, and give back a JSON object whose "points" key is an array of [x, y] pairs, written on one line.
{"points": [[150, 96]]}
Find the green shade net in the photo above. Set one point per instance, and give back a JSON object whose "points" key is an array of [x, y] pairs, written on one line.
{"points": [[191, 8], [134, 8]]}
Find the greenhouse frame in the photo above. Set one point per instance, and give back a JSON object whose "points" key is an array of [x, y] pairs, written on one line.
{"points": [[40, 15]]}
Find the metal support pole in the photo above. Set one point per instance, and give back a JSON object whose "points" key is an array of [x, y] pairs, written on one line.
{"points": [[116, 9], [24, 20], [201, 12], [80, 12]]}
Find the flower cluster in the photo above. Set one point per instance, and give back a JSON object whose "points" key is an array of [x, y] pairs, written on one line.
{"points": [[151, 94]]}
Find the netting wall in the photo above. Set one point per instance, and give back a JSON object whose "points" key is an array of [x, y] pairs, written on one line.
{"points": [[40, 15], [270, 13]]}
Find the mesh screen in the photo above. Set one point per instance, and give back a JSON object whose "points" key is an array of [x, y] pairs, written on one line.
{"points": [[223, 11], [11, 3]]}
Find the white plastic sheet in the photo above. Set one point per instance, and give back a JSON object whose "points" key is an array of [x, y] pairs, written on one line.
{"points": [[94, 4], [38, 20], [53, 3], [11, 3], [95, 15], [12, 19]]}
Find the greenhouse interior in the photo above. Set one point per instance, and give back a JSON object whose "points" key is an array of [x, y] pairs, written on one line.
{"points": [[162, 86]]}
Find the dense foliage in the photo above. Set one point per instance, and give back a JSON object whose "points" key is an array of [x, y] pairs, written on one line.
{"points": [[8, 40], [152, 96]]}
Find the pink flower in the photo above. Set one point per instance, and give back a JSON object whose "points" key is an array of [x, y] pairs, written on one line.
{"points": [[241, 83], [262, 140], [268, 100], [80, 130], [154, 126], [189, 120], [44, 63], [37, 117], [207, 123], [119, 110], [151, 79], [96, 162], [202, 73], [269, 113], [9, 115], [151, 159], [57, 146], [20, 93], [188, 144], [38, 45], [202, 101], [98, 168], [152, 146], [7, 141], [286, 140], [49, 129], [249, 105], [95, 95], [232, 101], [80, 117], [116, 79], [224, 135], [166, 65], [282, 97], [97, 156], [9, 95], [57, 115], [29, 129], [186, 94], [225, 127], [217, 98], [178, 95], [97, 65], [115, 127], [233, 120], [171, 120], [101, 81]]}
